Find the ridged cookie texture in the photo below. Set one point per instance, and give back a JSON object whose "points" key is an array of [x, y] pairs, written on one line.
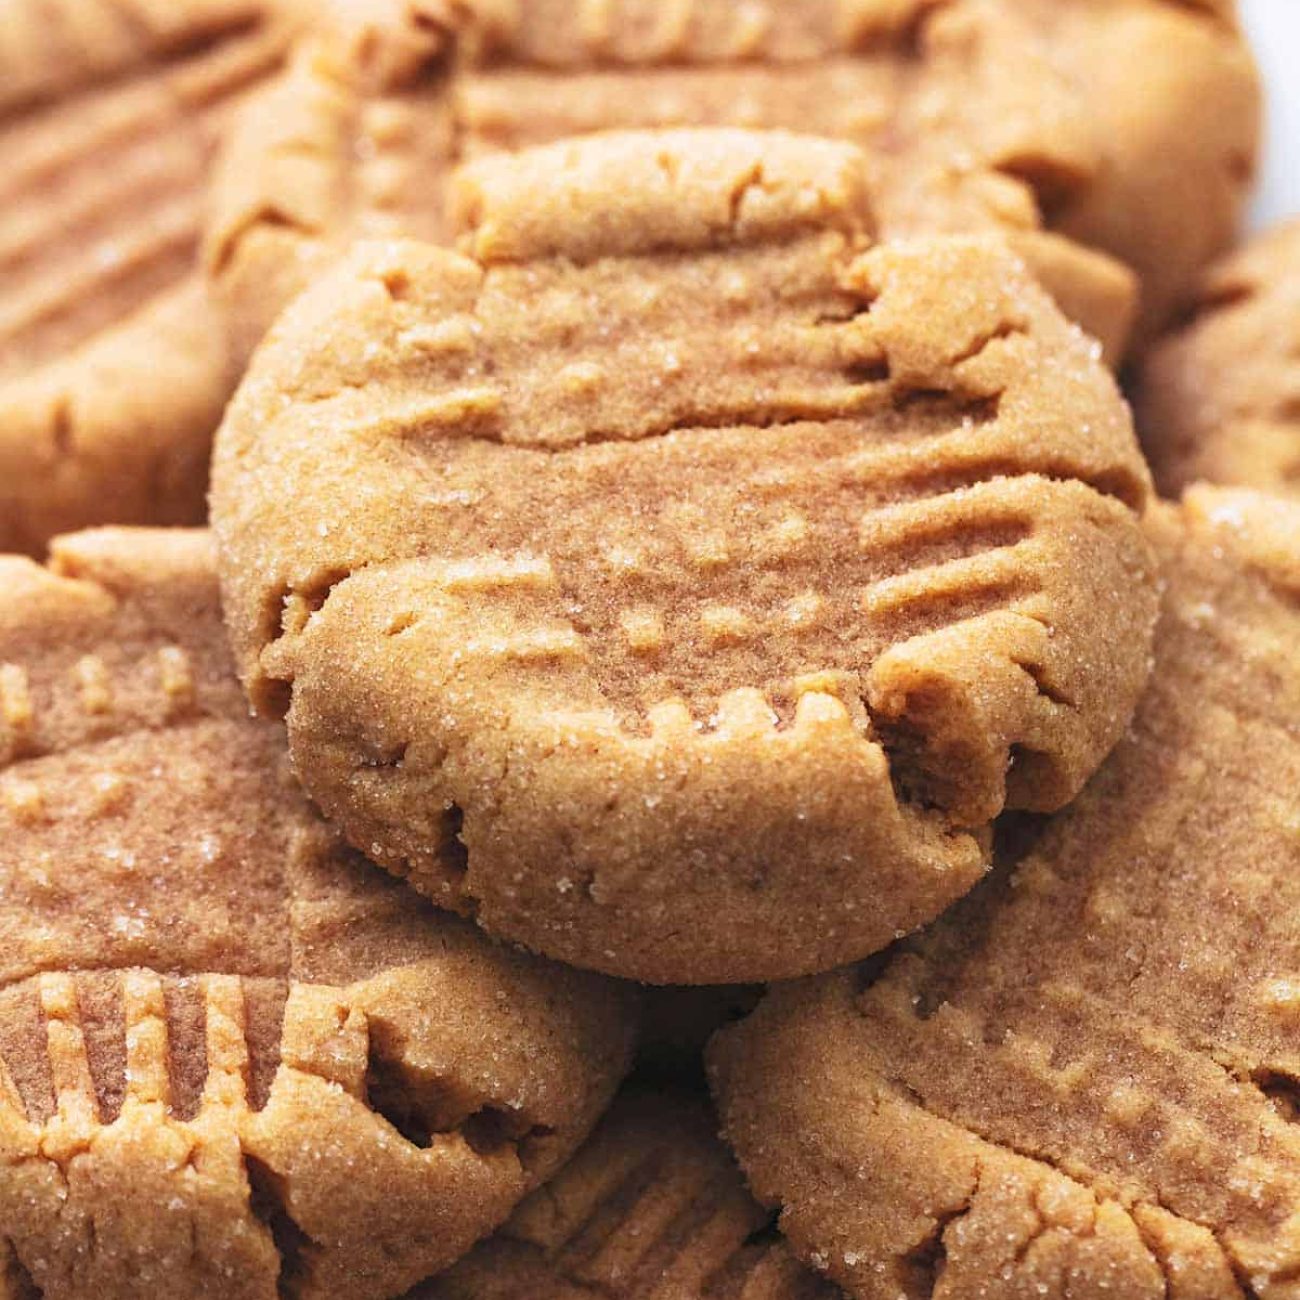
{"points": [[113, 364], [1219, 397], [235, 1060], [1103, 137], [1081, 1082], [674, 580], [652, 1208]]}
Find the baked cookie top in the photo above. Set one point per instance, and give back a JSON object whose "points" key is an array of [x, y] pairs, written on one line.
{"points": [[234, 1056], [113, 365], [1103, 137], [1219, 397], [678, 1021], [1082, 1081], [652, 1208], [674, 579]]}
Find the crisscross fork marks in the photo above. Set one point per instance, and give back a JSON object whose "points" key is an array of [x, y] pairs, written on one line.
{"points": [[651, 1207], [565, 500], [69, 266], [112, 1038], [796, 511], [1121, 1008]]}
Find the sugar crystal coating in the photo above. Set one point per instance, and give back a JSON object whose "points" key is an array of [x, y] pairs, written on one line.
{"points": [[234, 1056], [715, 664], [1081, 1081]]}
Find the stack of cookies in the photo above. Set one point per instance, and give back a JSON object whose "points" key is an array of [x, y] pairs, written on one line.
{"points": [[599, 699]]}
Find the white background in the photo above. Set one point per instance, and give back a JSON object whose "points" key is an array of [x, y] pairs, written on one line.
{"points": [[1274, 27]]}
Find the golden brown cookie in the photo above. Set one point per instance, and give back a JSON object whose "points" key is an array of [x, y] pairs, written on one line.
{"points": [[652, 1208], [235, 1059], [1102, 136], [1083, 1081], [1219, 398], [674, 580], [113, 364]]}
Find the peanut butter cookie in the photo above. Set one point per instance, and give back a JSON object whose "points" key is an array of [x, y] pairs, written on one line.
{"points": [[1103, 137], [235, 1059], [1082, 1081], [652, 1208], [1219, 398], [113, 364], [675, 581]]}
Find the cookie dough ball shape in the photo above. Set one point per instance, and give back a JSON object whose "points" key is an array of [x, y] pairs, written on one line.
{"points": [[235, 1059], [1219, 397], [675, 581], [652, 1208], [1081, 1082], [114, 366]]}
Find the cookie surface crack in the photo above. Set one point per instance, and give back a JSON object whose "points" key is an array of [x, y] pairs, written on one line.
{"points": [[269, 1205], [1151, 1198], [15, 1275], [925, 1262]]}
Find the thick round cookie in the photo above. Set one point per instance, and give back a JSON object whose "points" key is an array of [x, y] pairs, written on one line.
{"points": [[1082, 1081], [1219, 398], [235, 1059], [1103, 137], [113, 363], [675, 581], [652, 1208]]}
